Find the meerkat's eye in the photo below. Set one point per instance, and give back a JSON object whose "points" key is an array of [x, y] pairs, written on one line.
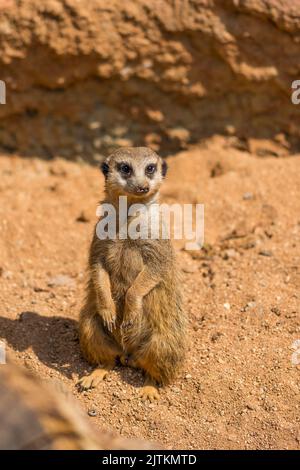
{"points": [[150, 169], [125, 169]]}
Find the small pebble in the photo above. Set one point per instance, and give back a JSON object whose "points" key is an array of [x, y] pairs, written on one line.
{"points": [[265, 253], [92, 413], [216, 336], [250, 406], [61, 280], [227, 306], [39, 289], [276, 311], [248, 196], [189, 269], [251, 304], [94, 125], [82, 217], [230, 253], [6, 274]]}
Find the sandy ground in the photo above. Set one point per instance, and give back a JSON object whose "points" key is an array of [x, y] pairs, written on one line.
{"points": [[239, 388]]}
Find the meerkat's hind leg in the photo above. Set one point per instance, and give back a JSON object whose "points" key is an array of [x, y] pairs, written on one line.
{"points": [[95, 377], [149, 391]]}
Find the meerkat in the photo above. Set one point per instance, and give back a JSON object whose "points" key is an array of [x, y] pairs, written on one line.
{"points": [[133, 308]]}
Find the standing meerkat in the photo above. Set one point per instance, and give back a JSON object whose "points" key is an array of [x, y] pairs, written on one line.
{"points": [[133, 308]]}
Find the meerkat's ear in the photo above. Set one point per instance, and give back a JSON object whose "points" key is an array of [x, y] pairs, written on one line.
{"points": [[104, 168], [164, 168]]}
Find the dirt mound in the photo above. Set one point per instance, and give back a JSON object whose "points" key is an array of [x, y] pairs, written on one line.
{"points": [[84, 77]]}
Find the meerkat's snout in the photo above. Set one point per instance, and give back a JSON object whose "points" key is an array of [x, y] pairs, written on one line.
{"points": [[142, 189]]}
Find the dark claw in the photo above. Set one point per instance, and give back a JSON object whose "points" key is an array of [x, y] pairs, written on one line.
{"points": [[127, 325]]}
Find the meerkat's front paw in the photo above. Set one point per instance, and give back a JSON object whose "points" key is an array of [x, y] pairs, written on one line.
{"points": [[132, 312], [93, 379], [149, 392], [127, 325], [109, 317], [129, 329]]}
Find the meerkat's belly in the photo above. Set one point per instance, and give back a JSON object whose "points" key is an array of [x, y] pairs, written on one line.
{"points": [[124, 262]]}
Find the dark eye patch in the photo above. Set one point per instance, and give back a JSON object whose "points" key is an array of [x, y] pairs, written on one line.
{"points": [[105, 168], [151, 169], [124, 168]]}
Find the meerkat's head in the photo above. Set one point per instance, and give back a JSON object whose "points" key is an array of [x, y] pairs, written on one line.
{"points": [[136, 172]]}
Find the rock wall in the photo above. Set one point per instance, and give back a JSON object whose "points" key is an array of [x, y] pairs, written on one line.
{"points": [[85, 76]]}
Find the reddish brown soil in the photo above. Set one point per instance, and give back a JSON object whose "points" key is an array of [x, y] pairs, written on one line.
{"points": [[239, 388]]}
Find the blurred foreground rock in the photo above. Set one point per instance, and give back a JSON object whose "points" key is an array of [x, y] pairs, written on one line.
{"points": [[35, 415]]}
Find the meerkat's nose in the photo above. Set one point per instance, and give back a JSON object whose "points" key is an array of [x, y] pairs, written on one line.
{"points": [[142, 189]]}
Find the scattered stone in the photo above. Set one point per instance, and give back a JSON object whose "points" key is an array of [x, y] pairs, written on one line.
{"points": [[92, 413], [82, 217], [155, 115], [266, 147], [216, 336], [119, 131], [57, 170], [276, 311], [52, 187], [179, 133], [190, 269], [230, 253], [7, 275], [217, 170], [61, 280], [20, 316], [226, 306], [94, 125], [250, 244], [250, 406], [251, 304], [39, 289], [230, 129], [188, 376], [265, 253], [122, 142], [248, 196]]}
